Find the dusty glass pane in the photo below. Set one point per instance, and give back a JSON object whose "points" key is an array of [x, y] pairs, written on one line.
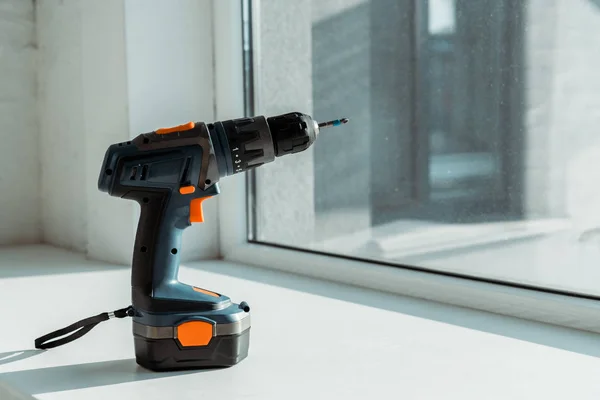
{"points": [[473, 145]]}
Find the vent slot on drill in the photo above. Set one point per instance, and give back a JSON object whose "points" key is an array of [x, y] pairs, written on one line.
{"points": [[185, 179], [133, 175], [144, 173]]}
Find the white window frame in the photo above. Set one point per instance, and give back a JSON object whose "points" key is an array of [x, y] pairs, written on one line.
{"points": [[543, 306]]}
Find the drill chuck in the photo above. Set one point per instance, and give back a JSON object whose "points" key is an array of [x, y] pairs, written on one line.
{"points": [[294, 132], [249, 143], [246, 143]]}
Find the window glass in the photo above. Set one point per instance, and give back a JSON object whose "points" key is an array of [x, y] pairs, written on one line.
{"points": [[473, 145]]}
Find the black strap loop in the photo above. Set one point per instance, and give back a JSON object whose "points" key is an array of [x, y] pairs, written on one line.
{"points": [[81, 327]]}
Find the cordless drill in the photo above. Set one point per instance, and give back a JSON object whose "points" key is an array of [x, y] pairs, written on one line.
{"points": [[170, 172]]}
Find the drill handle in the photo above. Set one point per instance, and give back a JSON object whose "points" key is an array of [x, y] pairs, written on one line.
{"points": [[150, 260], [164, 215]]}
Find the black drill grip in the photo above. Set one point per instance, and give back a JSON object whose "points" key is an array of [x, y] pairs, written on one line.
{"points": [[164, 214], [152, 209]]}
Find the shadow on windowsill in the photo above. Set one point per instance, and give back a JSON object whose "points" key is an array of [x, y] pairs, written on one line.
{"points": [[12, 356], [80, 376]]}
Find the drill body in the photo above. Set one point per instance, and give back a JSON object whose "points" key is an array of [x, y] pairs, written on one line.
{"points": [[169, 173]]}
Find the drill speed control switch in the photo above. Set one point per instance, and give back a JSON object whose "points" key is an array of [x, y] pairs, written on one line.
{"points": [[170, 173]]}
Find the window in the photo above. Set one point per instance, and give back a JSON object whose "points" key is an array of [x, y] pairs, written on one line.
{"points": [[473, 146]]}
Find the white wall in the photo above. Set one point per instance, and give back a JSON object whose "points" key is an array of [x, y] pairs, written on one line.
{"points": [[19, 157], [109, 71], [62, 136], [171, 80], [109, 221], [83, 109]]}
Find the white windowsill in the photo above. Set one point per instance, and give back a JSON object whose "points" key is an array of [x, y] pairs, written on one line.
{"points": [[308, 338]]}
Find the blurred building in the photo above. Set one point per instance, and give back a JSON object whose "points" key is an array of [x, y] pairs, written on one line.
{"points": [[462, 111]]}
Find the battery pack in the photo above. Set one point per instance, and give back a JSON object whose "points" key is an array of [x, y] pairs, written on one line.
{"points": [[185, 341]]}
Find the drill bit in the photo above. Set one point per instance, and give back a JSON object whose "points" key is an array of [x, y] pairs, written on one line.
{"points": [[335, 122]]}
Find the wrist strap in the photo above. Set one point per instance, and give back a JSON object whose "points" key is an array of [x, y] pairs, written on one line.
{"points": [[79, 328]]}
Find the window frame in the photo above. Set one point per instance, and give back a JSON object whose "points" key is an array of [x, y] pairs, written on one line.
{"points": [[547, 306]]}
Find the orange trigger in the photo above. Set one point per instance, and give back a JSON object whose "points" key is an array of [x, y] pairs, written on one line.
{"points": [[196, 212]]}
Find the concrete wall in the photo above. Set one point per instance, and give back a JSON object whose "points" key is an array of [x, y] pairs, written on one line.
{"points": [[562, 160], [575, 128], [539, 50], [19, 148], [392, 150], [362, 62]]}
